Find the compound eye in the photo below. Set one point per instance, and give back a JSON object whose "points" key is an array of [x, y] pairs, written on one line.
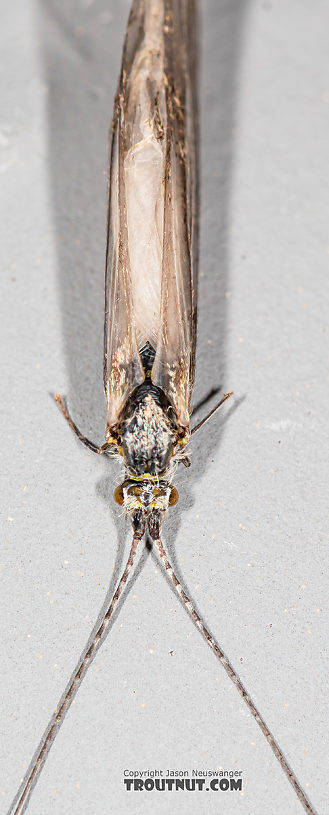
{"points": [[173, 498], [118, 495]]}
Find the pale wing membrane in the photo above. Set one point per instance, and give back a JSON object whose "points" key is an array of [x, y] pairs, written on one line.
{"points": [[173, 368], [134, 257], [144, 168]]}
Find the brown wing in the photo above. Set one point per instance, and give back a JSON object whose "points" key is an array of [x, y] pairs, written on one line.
{"points": [[174, 363], [123, 370], [149, 289]]}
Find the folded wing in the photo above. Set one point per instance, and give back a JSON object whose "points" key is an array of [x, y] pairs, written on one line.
{"points": [[149, 287]]}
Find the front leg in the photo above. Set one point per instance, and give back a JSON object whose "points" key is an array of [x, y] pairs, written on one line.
{"points": [[105, 448]]}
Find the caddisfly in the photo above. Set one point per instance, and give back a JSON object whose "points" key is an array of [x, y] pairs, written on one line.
{"points": [[150, 304]]}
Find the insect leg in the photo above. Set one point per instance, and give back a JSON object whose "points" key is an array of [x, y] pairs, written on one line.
{"points": [[234, 677], [205, 419], [64, 705], [206, 399], [90, 444]]}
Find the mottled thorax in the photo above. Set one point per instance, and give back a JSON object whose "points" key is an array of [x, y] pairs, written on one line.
{"points": [[147, 438]]}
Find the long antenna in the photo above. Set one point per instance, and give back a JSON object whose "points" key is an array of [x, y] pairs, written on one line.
{"points": [[234, 677], [81, 670]]}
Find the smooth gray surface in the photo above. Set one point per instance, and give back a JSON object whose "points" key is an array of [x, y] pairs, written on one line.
{"points": [[249, 536]]}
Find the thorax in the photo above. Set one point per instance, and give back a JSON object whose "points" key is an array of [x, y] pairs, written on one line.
{"points": [[147, 433]]}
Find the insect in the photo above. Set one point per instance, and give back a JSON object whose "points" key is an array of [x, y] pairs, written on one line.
{"points": [[150, 306]]}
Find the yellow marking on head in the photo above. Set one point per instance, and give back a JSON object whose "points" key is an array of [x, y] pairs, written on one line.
{"points": [[145, 477]]}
